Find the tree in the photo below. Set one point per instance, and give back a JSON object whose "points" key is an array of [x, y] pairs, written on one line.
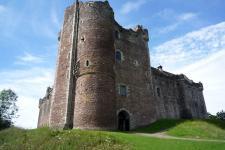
{"points": [[221, 115], [210, 116], [8, 108]]}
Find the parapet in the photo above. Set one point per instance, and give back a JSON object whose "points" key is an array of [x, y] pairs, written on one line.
{"points": [[136, 32], [47, 96], [160, 72], [92, 4], [179, 77], [190, 82]]}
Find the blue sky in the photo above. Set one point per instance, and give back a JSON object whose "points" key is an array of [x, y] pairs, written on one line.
{"points": [[185, 37]]}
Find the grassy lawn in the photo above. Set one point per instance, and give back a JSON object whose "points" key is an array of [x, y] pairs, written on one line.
{"points": [[204, 129], [147, 143], [45, 138]]}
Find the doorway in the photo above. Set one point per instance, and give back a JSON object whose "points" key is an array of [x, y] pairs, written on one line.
{"points": [[123, 121]]}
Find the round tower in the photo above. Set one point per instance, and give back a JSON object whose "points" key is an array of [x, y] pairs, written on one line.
{"points": [[95, 102]]}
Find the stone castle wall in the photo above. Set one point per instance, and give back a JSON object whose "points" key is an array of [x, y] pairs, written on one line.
{"points": [[88, 78], [44, 108], [166, 94], [134, 72], [177, 96], [59, 104], [192, 98]]}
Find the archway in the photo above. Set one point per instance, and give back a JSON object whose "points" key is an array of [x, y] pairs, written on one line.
{"points": [[123, 121]]}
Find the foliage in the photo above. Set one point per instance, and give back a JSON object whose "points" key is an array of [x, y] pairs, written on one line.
{"points": [[221, 115], [44, 138], [210, 116], [8, 108]]}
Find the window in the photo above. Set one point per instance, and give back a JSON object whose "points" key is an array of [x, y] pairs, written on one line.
{"points": [[82, 39], [118, 56], [123, 90], [87, 63], [59, 38], [158, 92], [117, 34], [136, 63]]}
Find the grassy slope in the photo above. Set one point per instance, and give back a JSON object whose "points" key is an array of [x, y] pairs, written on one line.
{"points": [[75, 139], [205, 129], [48, 139]]}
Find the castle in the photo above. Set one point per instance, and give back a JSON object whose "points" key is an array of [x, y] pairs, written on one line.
{"points": [[104, 79]]}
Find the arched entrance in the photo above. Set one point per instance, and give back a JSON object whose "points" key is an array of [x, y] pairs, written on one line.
{"points": [[123, 121]]}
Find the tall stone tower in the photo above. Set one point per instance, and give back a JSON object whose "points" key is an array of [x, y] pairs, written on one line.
{"points": [[84, 89], [95, 87]]}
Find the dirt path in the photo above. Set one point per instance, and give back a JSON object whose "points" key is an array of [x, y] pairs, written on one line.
{"points": [[162, 135]]}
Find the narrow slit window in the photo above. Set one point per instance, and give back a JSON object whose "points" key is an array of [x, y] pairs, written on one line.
{"points": [[117, 34], [82, 39], [158, 92], [118, 56], [87, 63]]}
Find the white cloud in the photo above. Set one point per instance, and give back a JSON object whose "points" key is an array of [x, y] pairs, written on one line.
{"points": [[168, 28], [30, 85], [165, 14], [211, 72], [187, 16], [132, 6], [191, 47], [2, 8], [201, 56], [178, 19], [29, 58]]}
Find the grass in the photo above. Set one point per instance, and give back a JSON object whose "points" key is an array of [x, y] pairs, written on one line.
{"points": [[147, 143], [204, 129], [47, 139], [44, 138]]}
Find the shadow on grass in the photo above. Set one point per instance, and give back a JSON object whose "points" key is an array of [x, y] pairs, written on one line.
{"points": [[159, 126], [216, 122], [166, 124]]}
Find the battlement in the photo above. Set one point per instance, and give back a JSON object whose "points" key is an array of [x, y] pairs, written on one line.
{"points": [[47, 96], [94, 4], [190, 82], [177, 77], [135, 33], [44, 108]]}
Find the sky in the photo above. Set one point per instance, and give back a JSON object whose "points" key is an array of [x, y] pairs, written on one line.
{"points": [[185, 37]]}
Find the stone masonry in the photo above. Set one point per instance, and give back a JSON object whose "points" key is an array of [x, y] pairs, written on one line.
{"points": [[104, 79]]}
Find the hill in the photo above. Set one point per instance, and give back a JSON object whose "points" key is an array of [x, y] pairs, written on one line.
{"points": [[203, 129], [45, 138]]}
